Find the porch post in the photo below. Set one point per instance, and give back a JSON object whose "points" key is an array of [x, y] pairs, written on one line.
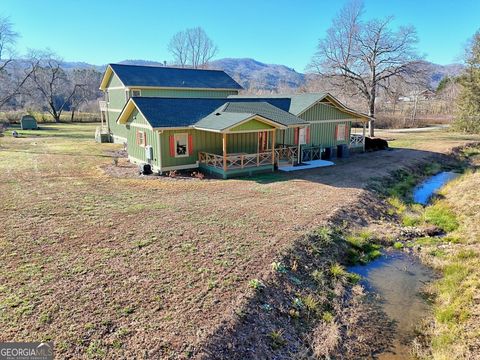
{"points": [[224, 146], [273, 146], [364, 134]]}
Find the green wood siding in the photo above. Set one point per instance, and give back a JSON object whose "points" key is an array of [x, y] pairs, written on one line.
{"points": [[252, 125], [114, 81], [137, 123], [321, 133], [324, 112], [207, 142], [324, 133], [117, 100]]}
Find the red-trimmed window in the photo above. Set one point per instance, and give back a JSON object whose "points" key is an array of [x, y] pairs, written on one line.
{"points": [[141, 138], [341, 132]]}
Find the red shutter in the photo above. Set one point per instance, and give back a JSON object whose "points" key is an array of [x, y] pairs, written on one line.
{"points": [[144, 138], [346, 132], [295, 136], [336, 132], [308, 135], [172, 146], [190, 144]]}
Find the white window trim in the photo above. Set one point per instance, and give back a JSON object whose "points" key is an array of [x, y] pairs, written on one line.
{"points": [[143, 138], [139, 92], [187, 152]]}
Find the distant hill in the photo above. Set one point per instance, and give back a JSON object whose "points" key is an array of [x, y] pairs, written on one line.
{"points": [[438, 72], [255, 75]]}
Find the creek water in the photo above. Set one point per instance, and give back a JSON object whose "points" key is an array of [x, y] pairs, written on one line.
{"points": [[425, 190], [397, 278]]}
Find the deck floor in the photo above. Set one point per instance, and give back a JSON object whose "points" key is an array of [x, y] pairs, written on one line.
{"points": [[306, 165]]}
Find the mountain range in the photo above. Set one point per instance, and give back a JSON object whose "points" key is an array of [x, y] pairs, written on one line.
{"points": [[253, 74]]}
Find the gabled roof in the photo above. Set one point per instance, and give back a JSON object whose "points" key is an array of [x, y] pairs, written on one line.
{"points": [[299, 103], [232, 113], [184, 112], [168, 77]]}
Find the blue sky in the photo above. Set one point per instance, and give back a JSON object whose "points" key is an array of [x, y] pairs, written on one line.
{"points": [[271, 31]]}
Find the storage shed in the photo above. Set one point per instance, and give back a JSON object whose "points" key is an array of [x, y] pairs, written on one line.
{"points": [[28, 122]]}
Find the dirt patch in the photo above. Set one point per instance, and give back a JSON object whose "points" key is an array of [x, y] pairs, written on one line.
{"points": [[113, 266]]}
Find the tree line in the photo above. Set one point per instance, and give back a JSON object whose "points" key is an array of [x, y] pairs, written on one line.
{"points": [[358, 58], [39, 82]]}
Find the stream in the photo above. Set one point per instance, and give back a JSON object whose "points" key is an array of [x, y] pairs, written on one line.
{"points": [[397, 278]]}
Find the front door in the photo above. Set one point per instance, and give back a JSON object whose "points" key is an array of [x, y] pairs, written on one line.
{"points": [[263, 141], [302, 136]]}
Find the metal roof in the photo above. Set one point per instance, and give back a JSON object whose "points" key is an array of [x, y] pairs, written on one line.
{"points": [[158, 76]]}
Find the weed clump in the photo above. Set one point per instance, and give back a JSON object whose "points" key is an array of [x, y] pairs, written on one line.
{"points": [[442, 216]]}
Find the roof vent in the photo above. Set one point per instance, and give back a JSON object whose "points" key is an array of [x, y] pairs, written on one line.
{"points": [[218, 114]]}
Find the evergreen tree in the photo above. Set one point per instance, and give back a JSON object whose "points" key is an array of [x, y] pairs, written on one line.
{"points": [[468, 113]]}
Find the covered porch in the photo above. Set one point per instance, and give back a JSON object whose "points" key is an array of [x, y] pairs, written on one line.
{"points": [[232, 163], [248, 133]]}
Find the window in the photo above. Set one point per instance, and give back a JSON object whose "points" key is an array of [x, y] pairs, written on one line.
{"points": [[341, 132], [141, 138], [181, 145], [136, 93]]}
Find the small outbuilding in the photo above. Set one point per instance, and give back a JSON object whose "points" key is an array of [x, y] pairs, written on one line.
{"points": [[28, 122]]}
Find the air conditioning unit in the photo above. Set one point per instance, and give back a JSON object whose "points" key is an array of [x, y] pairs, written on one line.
{"points": [[149, 152]]}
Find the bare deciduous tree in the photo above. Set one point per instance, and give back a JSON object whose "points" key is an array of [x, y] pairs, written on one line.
{"points": [[12, 75], [365, 55], [87, 81], [50, 83], [192, 48]]}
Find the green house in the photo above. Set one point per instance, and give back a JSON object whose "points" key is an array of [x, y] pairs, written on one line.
{"points": [[175, 119]]}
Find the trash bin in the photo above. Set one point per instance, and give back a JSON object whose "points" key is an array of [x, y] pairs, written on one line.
{"points": [[327, 153], [342, 151]]}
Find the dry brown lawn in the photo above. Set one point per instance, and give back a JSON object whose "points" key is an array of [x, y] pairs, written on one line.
{"points": [[115, 267]]}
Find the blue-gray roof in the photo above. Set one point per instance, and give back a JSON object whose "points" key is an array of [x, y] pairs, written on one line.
{"points": [[157, 76], [233, 112], [181, 112]]}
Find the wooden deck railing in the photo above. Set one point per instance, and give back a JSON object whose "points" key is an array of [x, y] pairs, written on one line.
{"points": [[356, 140], [286, 152], [235, 161]]}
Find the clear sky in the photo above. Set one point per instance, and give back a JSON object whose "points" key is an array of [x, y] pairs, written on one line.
{"points": [[271, 31]]}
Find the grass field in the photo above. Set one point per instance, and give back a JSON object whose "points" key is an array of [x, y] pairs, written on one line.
{"points": [[110, 266]]}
